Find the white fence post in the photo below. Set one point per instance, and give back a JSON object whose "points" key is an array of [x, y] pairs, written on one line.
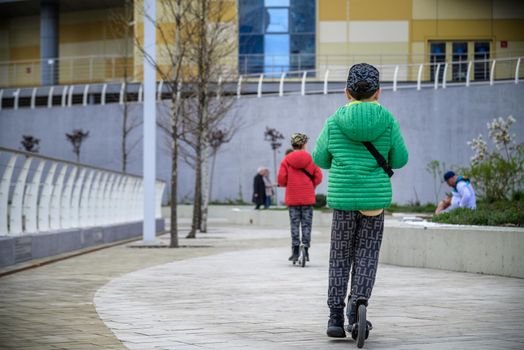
{"points": [[56, 197], [419, 76], [30, 211], [517, 71], [103, 95], [50, 97], [15, 214], [84, 200], [121, 95], [444, 75], [84, 97], [70, 97], [140, 93], [239, 86], [4, 194], [436, 75], [99, 201], [492, 73], [303, 84], [33, 98], [326, 76], [395, 76], [106, 199], [91, 199], [468, 73], [259, 89], [281, 86], [65, 202], [1, 98], [16, 96], [219, 86], [75, 199], [114, 199], [45, 199], [64, 96]]}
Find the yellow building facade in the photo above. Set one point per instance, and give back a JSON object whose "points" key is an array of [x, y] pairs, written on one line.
{"points": [[92, 47]]}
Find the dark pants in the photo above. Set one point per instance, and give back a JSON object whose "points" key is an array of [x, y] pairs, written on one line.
{"points": [[301, 216], [355, 247]]}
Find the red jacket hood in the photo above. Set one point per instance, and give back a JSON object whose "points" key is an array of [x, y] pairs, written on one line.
{"points": [[299, 159]]}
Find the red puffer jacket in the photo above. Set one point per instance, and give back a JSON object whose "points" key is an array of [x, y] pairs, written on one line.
{"points": [[300, 188]]}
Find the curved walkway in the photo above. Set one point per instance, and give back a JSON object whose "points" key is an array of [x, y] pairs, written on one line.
{"points": [[255, 299]]}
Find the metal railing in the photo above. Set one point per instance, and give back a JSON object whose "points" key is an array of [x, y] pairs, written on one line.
{"points": [[393, 76], [40, 194], [66, 70], [114, 68], [399, 76]]}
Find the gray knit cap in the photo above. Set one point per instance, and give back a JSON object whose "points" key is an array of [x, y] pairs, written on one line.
{"points": [[363, 72]]}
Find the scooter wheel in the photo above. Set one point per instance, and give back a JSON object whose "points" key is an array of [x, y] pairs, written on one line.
{"points": [[362, 326]]}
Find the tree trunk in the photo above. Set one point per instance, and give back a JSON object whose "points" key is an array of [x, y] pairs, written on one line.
{"points": [[174, 169], [124, 126], [212, 174], [205, 192], [201, 117], [197, 202]]}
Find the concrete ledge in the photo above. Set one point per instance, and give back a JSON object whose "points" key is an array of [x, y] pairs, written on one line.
{"points": [[476, 249], [22, 248], [246, 215]]}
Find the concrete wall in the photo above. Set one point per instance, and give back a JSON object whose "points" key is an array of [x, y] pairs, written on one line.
{"points": [[489, 250], [436, 125], [16, 249]]}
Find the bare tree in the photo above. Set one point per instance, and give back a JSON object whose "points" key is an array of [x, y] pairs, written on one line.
{"points": [[214, 43], [194, 48], [121, 23], [215, 139], [274, 137], [174, 40], [76, 138], [30, 143]]}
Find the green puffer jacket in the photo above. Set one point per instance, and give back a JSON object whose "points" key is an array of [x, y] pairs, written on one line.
{"points": [[356, 181]]}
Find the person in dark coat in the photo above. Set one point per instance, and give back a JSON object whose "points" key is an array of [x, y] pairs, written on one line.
{"points": [[259, 188]]}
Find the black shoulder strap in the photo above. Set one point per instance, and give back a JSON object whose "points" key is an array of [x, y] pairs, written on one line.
{"points": [[308, 174], [380, 160]]}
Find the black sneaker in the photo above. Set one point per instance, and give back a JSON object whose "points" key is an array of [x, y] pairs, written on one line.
{"points": [[306, 249], [296, 252], [335, 328]]}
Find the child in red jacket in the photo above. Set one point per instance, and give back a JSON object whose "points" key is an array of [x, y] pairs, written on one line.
{"points": [[300, 176]]}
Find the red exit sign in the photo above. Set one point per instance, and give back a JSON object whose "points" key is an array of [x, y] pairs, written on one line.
{"points": [[504, 44]]}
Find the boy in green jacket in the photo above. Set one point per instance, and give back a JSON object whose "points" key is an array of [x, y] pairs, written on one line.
{"points": [[358, 190]]}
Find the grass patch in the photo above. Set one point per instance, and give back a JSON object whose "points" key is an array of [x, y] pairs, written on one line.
{"points": [[427, 208], [500, 213]]}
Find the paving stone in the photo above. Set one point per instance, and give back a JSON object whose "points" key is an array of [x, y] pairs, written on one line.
{"points": [[240, 292]]}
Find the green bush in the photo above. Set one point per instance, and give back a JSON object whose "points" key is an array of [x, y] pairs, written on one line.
{"points": [[497, 174], [491, 214]]}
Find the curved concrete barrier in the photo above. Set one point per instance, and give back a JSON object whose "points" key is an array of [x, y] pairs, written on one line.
{"points": [[477, 249]]}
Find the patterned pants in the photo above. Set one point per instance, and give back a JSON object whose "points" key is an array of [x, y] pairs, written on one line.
{"points": [[301, 216], [355, 246]]}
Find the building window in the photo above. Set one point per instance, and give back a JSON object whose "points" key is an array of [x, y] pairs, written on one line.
{"points": [[437, 55], [459, 61], [481, 53], [276, 36]]}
